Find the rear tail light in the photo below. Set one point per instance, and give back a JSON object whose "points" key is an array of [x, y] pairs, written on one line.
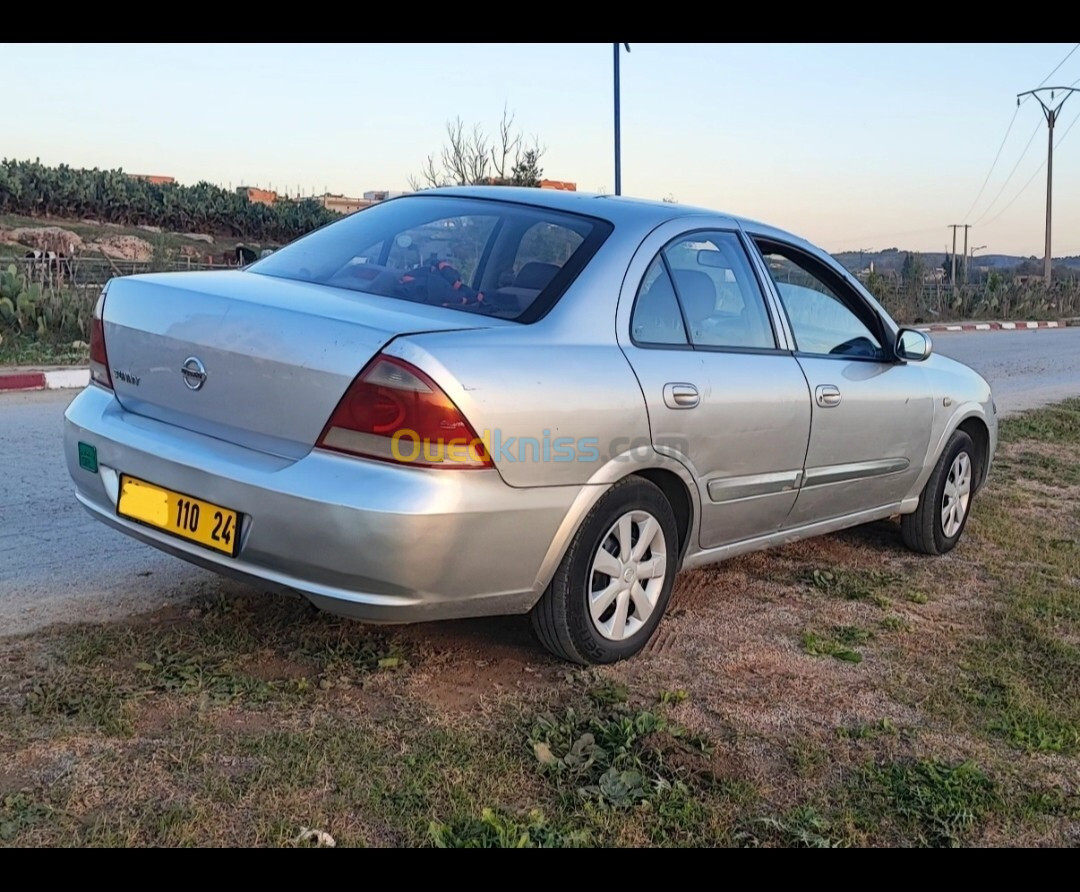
{"points": [[394, 412], [99, 360]]}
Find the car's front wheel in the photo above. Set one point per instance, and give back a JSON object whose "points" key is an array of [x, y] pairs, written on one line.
{"points": [[614, 582], [945, 503]]}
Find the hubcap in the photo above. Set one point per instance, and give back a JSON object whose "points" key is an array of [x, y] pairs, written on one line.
{"points": [[954, 503], [627, 575]]}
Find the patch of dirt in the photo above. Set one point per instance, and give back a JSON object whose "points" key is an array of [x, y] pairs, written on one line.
{"points": [[238, 720], [269, 666], [156, 716], [124, 247], [43, 238], [463, 664], [14, 778]]}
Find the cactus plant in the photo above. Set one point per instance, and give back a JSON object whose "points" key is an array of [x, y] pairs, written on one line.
{"points": [[30, 308]]}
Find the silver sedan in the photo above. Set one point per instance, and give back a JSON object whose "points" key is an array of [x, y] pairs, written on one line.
{"points": [[491, 400]]}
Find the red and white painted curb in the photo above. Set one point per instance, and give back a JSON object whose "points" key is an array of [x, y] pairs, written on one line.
{"points": [[989, 326], [47, 379]]}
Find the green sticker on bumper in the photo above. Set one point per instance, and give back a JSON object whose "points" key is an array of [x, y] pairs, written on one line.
{"points": [[88, 457]]}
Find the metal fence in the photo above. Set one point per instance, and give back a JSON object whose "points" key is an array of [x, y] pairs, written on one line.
{"points": [[83, 270]]}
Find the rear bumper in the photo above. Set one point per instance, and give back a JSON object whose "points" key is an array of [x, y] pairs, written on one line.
{"points": [[367, 539]]}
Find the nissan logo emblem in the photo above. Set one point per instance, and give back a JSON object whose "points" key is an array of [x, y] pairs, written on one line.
{"points": [[193, 372]]}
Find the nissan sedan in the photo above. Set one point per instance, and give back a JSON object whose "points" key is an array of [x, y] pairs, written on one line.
{"points": [[480, 401]]}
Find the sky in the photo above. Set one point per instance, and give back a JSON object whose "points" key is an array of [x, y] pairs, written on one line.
{"points": [[854, 146]]}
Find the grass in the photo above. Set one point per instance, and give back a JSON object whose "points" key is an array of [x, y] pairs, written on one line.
{"points": [[840, 692], [923, 801], [1021, 681], [51, 350], [837, 643], [875, 586]]}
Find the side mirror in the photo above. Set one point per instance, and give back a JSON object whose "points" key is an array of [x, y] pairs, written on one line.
{"points": [[913, 345]]}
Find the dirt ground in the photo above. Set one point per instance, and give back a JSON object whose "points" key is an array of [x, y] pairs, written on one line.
{"points": [[840, 691]]}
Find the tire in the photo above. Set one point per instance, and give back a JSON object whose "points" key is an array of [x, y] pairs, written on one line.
{"points": [[929, 530], [563, 619]]}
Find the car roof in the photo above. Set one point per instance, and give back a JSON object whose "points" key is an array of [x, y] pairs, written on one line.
{"points": [[614, 208]]}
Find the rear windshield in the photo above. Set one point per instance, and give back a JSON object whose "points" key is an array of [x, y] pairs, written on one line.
{"points": [[478, 256]]}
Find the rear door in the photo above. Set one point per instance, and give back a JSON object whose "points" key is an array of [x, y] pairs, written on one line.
{"points": [[872, 414], [723, 396]]}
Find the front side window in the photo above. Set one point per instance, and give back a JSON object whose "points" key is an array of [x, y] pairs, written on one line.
{"points": [[822, 322], [480, 256]]}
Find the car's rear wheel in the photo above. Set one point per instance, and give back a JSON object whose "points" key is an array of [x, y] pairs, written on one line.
{"points": [[945, 503], [614, 582]]}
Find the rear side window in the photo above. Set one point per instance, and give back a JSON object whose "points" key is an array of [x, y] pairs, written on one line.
{"points": [[479, 256], [701, 291], [720, 295], [657, 318]]}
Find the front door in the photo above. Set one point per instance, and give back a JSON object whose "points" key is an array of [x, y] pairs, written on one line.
{"points": [[872, 414], [722, 397]]}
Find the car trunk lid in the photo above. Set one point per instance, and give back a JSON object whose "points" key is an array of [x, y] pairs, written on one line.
{"points": [[267, 359]]}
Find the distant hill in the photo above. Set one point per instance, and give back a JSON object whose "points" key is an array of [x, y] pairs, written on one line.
{"points": [[892, 259]]}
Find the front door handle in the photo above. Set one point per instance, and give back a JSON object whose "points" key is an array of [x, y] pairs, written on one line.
{"points": [[828, 395], [681, 396]]}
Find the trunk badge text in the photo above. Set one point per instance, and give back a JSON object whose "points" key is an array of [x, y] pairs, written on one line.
{"points": [[194, 373], [126, 377]]}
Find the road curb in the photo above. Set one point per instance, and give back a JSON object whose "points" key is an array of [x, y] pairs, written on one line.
{"points": [[990, 326], [43, 379]]}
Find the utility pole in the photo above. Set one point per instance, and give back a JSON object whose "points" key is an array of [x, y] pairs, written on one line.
{"points": [[952, 275], [967, 226], [1050, 112], [618, 124]]}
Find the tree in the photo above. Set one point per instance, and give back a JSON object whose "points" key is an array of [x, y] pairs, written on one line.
{"points": [[32, 188], [912, 271], [527, 170], [946, 266], [473, 158]]}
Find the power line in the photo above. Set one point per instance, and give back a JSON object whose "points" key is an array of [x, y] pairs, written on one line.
{"points": [[1059, 64], [1051, 112], [884, 235], [1037, 171], [1004, 139], [1023, 155], [993, 164]]}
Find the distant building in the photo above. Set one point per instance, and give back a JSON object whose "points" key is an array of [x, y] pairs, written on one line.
{"points": [[562, 185], [382, 195], [256, 195], [343, 204], [156, 179]]}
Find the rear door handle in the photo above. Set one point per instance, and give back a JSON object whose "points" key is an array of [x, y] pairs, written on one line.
{"points": [[828, 395], [681, 396]]}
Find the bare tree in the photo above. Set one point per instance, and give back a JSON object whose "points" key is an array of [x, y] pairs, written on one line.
{"points": [[509, 144], [471, 157]]}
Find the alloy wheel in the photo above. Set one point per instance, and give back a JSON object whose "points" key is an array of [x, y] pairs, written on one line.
{"points": [[627, 575], [957, 496]]}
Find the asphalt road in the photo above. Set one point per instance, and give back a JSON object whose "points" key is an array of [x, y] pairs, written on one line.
{"points": [[1025, 368], [56, 564]]}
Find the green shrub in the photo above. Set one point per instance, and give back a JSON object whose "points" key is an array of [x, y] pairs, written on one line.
{"points": [[28, 308]]}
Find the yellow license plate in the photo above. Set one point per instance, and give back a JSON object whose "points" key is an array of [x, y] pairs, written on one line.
{"points": [[182, 515]]}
